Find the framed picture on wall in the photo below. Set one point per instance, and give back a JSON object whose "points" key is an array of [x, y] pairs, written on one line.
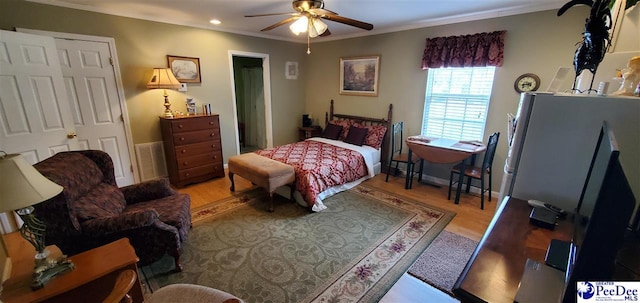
{"points": [[359, 75], [291, 70], [186, 69]]}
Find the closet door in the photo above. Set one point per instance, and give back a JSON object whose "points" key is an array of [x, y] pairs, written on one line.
{"points": [[35, 117], [90, 80]]}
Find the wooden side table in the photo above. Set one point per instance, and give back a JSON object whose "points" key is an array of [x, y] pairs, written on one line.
{"points": [[92, 279], [305, 133]]}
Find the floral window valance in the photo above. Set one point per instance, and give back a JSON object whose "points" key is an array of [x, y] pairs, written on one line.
{"points": [[483, 49]]}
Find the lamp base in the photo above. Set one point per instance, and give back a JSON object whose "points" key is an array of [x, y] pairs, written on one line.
{"points": [[46, 269], [167, 106]]}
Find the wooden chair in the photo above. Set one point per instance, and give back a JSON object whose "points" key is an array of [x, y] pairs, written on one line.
{"points": [[397, 156], [120, 291], [481, 172]]}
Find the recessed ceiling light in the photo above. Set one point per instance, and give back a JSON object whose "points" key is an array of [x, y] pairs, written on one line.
{"points": [[215, 21]]}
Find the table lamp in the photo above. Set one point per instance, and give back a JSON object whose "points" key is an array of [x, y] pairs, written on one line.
{"points": [[22, 186], [164, 78]]}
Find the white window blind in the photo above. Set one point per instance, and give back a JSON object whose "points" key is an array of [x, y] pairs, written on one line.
{"points": [[456, 102]]}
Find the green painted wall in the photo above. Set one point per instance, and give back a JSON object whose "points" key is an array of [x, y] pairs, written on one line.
{"points": [[535, 43]]}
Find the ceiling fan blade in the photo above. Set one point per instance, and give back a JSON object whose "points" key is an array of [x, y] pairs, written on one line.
{"points": [[326, 33], [274, 14], [283, 22], [348, 21]]}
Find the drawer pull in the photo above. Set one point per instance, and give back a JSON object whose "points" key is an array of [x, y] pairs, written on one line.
{"points": [[180, 126], [214, 157], [185, 163], [187, 174], [210, 122], [181, 138], [213, 134], [184, 151]]}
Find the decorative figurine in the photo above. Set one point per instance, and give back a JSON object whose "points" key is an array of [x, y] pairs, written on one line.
{"points": [[631, 77], [595, 38]]}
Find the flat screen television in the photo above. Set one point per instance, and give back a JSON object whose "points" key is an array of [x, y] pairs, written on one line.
{"points": [[601, 219]]}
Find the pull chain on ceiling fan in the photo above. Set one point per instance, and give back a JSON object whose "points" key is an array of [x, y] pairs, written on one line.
{"points": [[308, 18], [313, 26]]}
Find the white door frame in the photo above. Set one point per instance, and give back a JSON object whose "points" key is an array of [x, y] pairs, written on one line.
{"points": [[266, 84], [121, 99]]}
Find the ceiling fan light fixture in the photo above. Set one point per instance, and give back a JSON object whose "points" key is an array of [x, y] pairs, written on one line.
{"points": [[316, 27], [300, 26]]}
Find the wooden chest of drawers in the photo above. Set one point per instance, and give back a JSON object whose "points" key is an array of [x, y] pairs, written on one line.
{"points": [[193, 148]]}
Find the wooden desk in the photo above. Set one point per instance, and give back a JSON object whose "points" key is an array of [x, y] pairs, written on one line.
{"points": [[438, 150], [92, 279], [496, 266]]}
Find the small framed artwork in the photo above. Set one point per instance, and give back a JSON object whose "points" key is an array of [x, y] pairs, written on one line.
{"points": [[291, 70], [186, 69], [359, 75]]}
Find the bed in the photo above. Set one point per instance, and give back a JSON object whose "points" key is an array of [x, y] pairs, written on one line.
{"points": [[326, 166]]}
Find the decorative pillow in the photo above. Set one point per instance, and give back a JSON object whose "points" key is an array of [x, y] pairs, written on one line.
{"points": [[375, 135], [332, 131], [102, 201], [345, 124], [356, 135]]}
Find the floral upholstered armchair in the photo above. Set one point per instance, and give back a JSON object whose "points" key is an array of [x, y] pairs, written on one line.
{"points": [[92, 211]]}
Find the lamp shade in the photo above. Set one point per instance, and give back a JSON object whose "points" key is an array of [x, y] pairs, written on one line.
{"points": [[317, 27], [163, 78], [300, 26], [21, 185]]}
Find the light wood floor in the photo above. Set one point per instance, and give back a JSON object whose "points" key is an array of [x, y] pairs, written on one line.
{"points": [[470, 221]]}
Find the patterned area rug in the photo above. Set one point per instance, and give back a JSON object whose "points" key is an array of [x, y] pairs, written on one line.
{"points": [[354, 251], [444, 260]]}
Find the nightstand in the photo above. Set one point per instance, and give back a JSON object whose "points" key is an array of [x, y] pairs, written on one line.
{"points": [[94, 275], [308, 132]]}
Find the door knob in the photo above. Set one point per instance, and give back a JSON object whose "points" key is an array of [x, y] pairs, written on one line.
{"points": [[71, 135]]}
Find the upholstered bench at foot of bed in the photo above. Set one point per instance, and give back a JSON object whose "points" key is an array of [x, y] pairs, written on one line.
{"points": [[262, 171]]}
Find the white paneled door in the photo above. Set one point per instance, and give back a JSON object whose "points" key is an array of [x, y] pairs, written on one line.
{"points": [[35, 116], [90, 80]]}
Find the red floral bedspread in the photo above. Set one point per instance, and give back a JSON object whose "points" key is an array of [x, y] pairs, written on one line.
{"points": [[318, 165]]}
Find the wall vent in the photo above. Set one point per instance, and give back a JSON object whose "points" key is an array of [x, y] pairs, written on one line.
{"points": [[151, 160]]}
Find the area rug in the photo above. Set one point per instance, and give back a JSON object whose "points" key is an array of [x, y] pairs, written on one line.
{"points": [[444, 260], [353, 251]]}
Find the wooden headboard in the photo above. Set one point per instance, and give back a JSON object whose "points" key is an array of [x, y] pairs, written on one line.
{"points": [[385, 148]]}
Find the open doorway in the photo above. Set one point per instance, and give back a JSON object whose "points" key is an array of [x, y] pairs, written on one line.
{"points": [[249, 103], [252, 102]]}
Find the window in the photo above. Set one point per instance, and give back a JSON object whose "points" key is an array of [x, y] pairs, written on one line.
{"points": [[456, 102]]}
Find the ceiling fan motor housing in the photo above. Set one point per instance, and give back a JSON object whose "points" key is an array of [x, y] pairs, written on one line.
{"points": [[305, 5]]}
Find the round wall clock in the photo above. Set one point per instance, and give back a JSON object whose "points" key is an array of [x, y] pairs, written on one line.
{"points": [[527, 83]]}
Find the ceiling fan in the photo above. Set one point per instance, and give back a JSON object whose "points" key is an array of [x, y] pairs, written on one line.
{"points": [[307, 18]]}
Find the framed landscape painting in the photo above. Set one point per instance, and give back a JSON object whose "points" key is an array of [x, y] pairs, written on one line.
{"points": [[186, 69], [359, 75]]}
